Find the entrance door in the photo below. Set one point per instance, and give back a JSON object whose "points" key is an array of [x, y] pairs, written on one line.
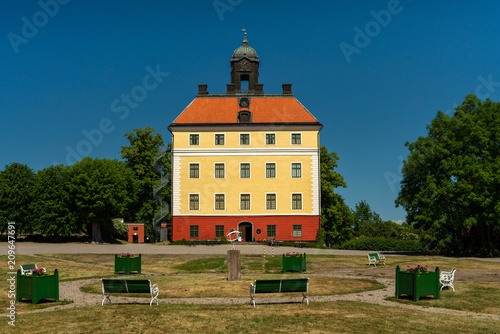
{"points": [[135, 239], [245, 229]]}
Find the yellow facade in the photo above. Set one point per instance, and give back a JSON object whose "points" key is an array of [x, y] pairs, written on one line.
{"points": [[206, 154]]}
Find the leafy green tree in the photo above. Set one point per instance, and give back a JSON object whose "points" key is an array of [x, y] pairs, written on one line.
{"points": [[336, 218], [140, 157], [363, 217], [451, 180], [16, 194], [102, 189], [52, 204]]}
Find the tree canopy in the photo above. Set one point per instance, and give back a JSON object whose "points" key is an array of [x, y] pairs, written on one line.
{"points": [[16, 193], [451, 179], [336, 218]]}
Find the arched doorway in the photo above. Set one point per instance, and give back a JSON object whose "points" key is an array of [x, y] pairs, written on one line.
{"points": [[246, 229]]}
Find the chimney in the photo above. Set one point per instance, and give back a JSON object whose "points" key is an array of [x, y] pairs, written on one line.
{"points": [[202, 89], [259, 89], [231, 88], [287, 89]]}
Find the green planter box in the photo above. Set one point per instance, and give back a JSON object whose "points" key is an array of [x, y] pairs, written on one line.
{"points": [[127, 264], [294, 263], [35, 287], [417, 285]]}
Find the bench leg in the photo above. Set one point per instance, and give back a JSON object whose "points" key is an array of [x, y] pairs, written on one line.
{"points": [[104, 298], [155, 291], [252, 299], [304, 296]]}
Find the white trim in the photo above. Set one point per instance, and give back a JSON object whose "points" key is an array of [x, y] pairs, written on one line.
{"points": [[176, 185], [315, 185], [246, 151]]}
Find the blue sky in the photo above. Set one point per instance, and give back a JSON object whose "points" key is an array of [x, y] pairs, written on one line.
{"points": [[374, 73]]}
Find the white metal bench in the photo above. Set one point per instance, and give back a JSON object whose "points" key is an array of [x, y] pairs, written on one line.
{"points": [[373, 258], [447, 278]]}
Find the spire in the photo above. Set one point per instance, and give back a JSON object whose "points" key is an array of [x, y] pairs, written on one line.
{"points": [[245, 42]]}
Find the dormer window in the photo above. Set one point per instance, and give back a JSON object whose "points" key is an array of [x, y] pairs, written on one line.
{"points": [[244, 116]]}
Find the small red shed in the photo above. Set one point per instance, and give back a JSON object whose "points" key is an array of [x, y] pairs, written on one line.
{"points": [[135, 232]]}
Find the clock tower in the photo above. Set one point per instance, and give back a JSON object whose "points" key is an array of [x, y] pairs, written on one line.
{"points": [[245, 69]]}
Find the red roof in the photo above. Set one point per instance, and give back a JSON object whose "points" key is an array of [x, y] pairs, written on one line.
{"points": [[224, 110]]}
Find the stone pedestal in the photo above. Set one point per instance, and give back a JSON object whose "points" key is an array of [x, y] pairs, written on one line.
{"points": [[233, 265]]}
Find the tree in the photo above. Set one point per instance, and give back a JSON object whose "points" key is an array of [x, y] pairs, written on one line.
{"points": [[451, 180], [52, 203], [140, 157], [336, 218], [102, 189], [16, 193]]}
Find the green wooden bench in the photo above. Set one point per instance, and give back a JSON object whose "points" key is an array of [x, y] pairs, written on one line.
{"points": [[373, 258], [280, 286], [111, 285]]}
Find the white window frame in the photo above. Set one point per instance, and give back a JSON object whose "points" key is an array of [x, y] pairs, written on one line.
{"points": [[301, 201], [199, 171], [275, 170], [291, 170], [220, 163], [194, 134], [271, 133], [275, 202], [249, 139], [249, 170], [215, 202], [223, 138], [249, 200], [189, 202], [291, 138]]}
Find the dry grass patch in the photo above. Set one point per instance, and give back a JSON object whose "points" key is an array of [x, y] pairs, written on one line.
{"points": [[217, 286]]}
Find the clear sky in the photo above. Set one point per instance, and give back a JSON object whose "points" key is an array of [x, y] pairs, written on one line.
{"points": [[77, 75]]}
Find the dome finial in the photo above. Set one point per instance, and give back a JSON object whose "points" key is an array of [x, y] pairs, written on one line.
{"points": [[245, 36]]}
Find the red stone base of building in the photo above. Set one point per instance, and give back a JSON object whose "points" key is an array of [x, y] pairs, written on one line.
{"points": [[253, 228]]}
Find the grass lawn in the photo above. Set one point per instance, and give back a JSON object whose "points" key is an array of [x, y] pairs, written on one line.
{"points": [[331, 317]]}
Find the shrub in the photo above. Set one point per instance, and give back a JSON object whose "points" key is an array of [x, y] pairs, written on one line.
{"points": [[384, 244]]}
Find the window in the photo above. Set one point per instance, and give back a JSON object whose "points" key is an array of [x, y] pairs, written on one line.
{"points": [[271, 231], [244, 170], [194, 171], [296, 169], [193, 231], [136, 228], [270, 139], [297, 231], [219, 171], [194, 201], [245, 202], [270, 170], [296, 140], [219, 139], [219, 231], [270, 201], [244, 139], [296, 201], [219, 202], [194, 139]]}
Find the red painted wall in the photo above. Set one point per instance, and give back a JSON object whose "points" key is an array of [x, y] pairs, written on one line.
{"points": [[284, 226], [139, 232]]}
